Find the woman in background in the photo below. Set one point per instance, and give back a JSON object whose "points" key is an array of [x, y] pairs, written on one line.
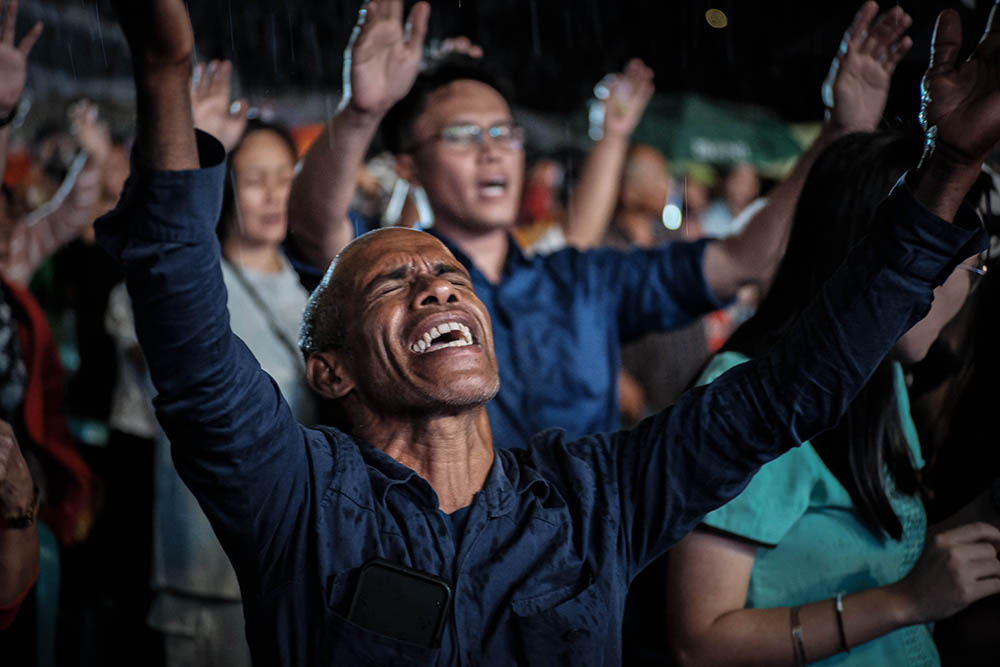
{"points": [[823, 555]]}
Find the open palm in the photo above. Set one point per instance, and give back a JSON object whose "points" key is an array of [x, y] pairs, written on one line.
{"points": [[13, 59], [857, 87], [960, 102], [383, 56]]}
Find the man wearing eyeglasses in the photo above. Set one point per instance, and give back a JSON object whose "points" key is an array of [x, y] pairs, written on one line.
{"points": [[558, 319]]}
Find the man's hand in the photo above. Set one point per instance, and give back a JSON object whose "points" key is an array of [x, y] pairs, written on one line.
{"points": [[16, 487], [960, 102], [13, 59], [90, 131], [630, 92], [158, 32], [856, 89], [383, 56], [213, 112]]}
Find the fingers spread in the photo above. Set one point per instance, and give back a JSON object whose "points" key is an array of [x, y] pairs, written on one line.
{"points": [[887, 29], [28, 41], [9, 23], [896, 53], [858, 29], [416, 25], [947, 40]]}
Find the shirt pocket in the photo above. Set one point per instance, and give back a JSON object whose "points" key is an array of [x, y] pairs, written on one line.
{"points": [[350, 644], [567, 626], [346, 643]]}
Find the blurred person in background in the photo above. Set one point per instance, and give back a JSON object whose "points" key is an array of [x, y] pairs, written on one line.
{"points": [[42, 475], [740, 186], [454, 134], [657, 367]]}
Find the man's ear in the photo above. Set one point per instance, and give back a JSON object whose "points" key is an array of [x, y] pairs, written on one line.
{"points": [[406, 169], [327, 375]]}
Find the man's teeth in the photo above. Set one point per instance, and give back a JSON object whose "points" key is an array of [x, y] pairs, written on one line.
{"points": [[493, 189], [425, 343]]}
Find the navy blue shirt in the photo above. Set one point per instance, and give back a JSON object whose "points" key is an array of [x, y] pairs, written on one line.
{"points": [[559, 321], [558, 531]]}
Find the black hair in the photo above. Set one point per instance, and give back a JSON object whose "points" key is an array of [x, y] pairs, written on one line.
{"points": [[229, 193], [836, 209], [398, 122]]}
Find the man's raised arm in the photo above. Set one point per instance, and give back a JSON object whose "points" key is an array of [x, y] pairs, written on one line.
{"points": [[161, 41], [380, 64], [855, 94], [715, 437]]}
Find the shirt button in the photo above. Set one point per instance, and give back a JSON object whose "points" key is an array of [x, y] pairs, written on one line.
{"points": [[572, 635]]}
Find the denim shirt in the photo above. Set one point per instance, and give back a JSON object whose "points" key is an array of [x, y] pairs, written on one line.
{"points": [[559, 321], [558, 530]]}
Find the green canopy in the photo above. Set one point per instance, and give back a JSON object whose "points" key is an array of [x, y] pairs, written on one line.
{"points": [[691, 128]]}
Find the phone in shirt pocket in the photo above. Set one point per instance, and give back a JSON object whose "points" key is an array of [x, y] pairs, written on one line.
{"points": [[400, 602]]}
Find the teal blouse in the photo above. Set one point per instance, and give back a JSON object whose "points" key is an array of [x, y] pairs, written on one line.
{"points": [[816, 542]]}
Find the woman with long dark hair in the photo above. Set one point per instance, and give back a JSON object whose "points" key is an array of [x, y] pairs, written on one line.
{"points": [[823, 556]]}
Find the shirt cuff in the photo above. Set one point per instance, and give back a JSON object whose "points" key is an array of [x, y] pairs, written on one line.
{"points": [[167, 206], [923, 245]]}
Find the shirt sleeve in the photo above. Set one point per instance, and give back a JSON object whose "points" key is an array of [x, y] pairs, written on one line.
{"points": [[659, 289], [692, 458], [777, 496], [234, 439]]}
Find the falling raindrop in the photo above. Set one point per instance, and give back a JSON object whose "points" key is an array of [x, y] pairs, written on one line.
{"points": [[100, 33]]}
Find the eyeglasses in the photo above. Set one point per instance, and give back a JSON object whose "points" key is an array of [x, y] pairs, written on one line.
{"points": [[469, 136]]}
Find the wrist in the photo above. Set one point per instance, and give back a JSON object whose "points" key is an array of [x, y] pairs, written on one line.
{"points": [[901, 605], [360, 118], [941, 181], [615, 139]]}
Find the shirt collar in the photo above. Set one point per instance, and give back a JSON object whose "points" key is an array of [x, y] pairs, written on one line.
{"points": [[515, 256], [506, 482]]}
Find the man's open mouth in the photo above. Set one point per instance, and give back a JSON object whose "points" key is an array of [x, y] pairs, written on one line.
{"points": [[446, 334]]}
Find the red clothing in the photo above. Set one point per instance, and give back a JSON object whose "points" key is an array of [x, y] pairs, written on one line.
{"points": [[9, 611], [69, 477]]}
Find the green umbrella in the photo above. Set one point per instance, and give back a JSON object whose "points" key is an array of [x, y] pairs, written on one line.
{"points": [[691, 128]]}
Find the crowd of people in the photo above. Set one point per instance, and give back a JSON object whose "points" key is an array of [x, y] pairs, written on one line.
{"points": [[265, 403]]}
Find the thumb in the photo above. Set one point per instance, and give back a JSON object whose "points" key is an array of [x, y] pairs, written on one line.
{"points": [[947, 40]]}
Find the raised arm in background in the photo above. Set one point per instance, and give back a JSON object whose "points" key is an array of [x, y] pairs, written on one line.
{"points": [[710, 572], [13, 72], [855, 94], [595, 194], [213, 111], [38, 235], [381, 62]]}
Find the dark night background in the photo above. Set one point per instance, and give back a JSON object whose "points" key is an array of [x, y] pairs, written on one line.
{"points": [[773, 53]]}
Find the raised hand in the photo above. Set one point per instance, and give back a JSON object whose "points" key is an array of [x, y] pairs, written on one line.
{"points": [[630, 92], [956, 568], [160, 37], [210, 103], [857, 86], [89, 130], [158, 32], [960, 102], [13, 59], [383, 56]]}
